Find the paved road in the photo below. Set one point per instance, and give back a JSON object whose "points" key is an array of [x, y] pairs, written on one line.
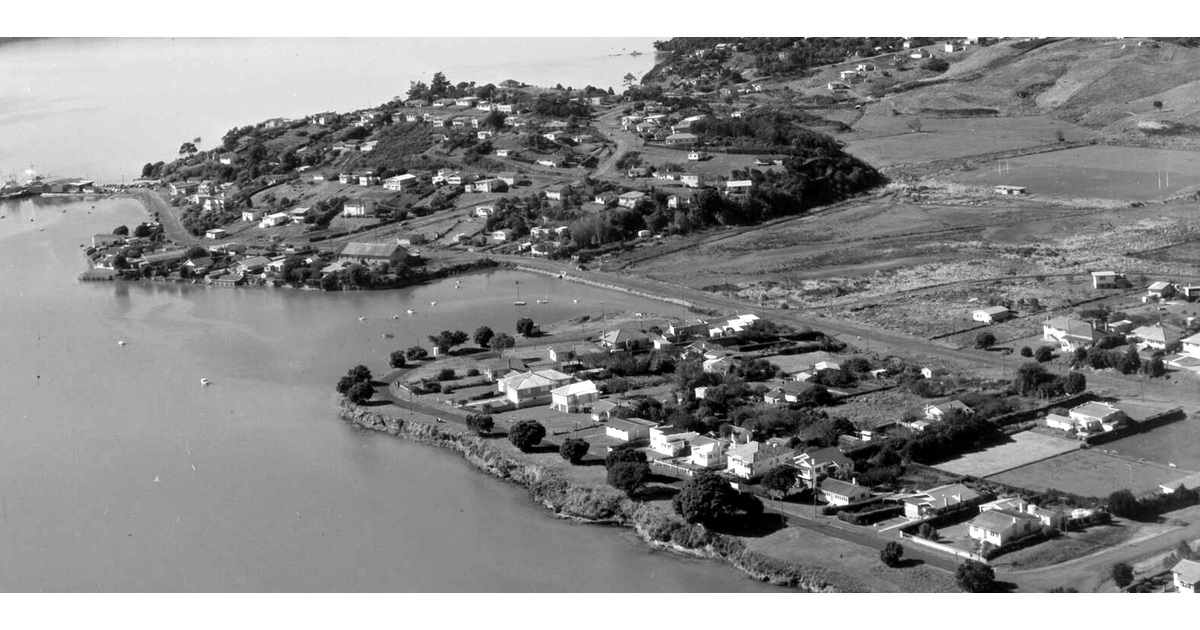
{"points": [[169, 216]]}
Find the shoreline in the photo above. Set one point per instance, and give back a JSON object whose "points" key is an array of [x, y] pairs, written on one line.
{"points": [[656, 527]]}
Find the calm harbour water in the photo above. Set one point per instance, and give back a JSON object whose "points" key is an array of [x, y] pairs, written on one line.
{"points": [[119, 472]]}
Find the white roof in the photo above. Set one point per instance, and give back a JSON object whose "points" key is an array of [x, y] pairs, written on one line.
{"points": [[576, 389], [738, 182]]}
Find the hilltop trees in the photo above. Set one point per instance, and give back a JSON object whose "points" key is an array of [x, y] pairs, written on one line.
{"points": [[356, 385], [483, 336], [446, 339], [526, 327], [501, 342], [397, 360]]}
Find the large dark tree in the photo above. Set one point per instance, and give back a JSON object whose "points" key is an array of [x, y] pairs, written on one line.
{"points": [[360, 374], [1075, 383], [480, 423], [397, 359], [416, 353], [526, 434], [345, 383], [446, 339], [975, 577], [780, 480], [628, 476], [121, 230], [501, 342], [574, 450], [1124, 504], [984, 339], [1131, 362], [483, 336], [623, 454], [708, 499], [525, 326], [360, 393]]}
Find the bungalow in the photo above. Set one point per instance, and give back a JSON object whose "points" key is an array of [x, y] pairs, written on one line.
{"points": [[738, 186], [485, 211], [1009, 190], [215, 234], [1160, 290], [347, 178], [484, 135], [399, 182], [502, 236], [787, 392], [625, 339], [681, 140], [628, 429], [368, 146], [532, 388], [162, 258], [553, 161], [848, 75], [1191, 345], [941, 499], [937, 413], [358, 208], [273, 220], [553, 135], [991, 315], [467, 101], [663, 175], [692, 180], [183, 188], [364, 253], [409, 240], [1185, 576], [1159, 337], [602, 410], [566, 352], [1107, 279], [604, 198], [822, 463], [838, 492], [574, 397], [630, 199], [492, 184], [680, 200], [582, 138], [698, 156], [1000, 527], [228, 280], [254, 264], [670, 441], [708, 452], [719, 365], [557, 192], [755, 459], [504, 152], [503, 367], [366, 179], [1070, 333], [228, 158], [508, 177], [1096, 416]]}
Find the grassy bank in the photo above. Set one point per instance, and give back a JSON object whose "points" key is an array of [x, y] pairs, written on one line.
{"points": [[603, 505]]}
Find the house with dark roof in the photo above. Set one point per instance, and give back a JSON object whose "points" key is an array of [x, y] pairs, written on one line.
{"points": [[502, 367], [625, 339], [1070, 333], [822, 462], [935, 413]]}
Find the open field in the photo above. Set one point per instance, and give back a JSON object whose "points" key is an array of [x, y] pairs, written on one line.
{"points": [[1174, 443], [1024, 448], [1090, 473], [885, 140], [1104, 172], [1067, 546], [721, 164]]}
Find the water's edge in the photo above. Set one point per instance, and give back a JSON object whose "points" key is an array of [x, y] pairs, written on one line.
{"points": [[605, 506]]}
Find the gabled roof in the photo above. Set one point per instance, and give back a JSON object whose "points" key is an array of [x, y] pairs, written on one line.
{"points": [[1000, 520], [951, 405], [827, 455], [756, 452], [1072, 327], [575, 389], [553, 375], [1158, 333], [622, 335], [1187, 570], [627, 424], [526, 380], [511, 363], [1158, 286], [992, 310], [1095, 410], [373, 250], [837, 486], [943, 496]]}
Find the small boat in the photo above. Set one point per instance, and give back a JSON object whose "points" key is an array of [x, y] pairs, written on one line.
{"points": [[520, 303], [204, 381], [576, 301], [388, 335], [395, 316], [410, 311], [543, 301], [121, 343], [362, 319]]}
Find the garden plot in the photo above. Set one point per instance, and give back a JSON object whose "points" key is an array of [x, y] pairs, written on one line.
{"points": [[1025, 448]]}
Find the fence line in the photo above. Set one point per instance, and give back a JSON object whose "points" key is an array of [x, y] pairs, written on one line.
{"points": [[954, 551]]}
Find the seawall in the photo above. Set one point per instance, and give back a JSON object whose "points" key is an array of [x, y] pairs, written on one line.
{"points": [[657, 527]]}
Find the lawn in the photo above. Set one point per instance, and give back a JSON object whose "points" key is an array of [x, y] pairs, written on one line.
{"points": [[1025, 447], [1173, 443], [1068, 546], [1089, 473], [1097, 171]]}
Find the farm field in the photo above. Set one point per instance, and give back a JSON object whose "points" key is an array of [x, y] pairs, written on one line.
{"points": [[1103, 172], [720, 165], [1090, 473], [1174, 443], [1024, 448]]}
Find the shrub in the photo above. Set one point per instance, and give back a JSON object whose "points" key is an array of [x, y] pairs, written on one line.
{"points": [[473, 372], [1122, 574], [975, 577], [480, 423], [526, 434], [1027, 352], [445, 374], [1043, 354], [984, 340], [927, 531], [573, 450], [891, 553]]}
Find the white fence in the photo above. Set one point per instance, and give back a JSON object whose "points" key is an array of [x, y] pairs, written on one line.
{"points": [[954, 551]]}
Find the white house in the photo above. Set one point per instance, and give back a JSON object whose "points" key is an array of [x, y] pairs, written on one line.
{"points": [[1159, 337], [628, 429], [692, 180], [358, 208], [399, 182], [272, 220], [215, 234], [670, 441], [574, 397], [821, 463], [1186, 576], [1070, 333], [838, 492], [1106, 279], [755, 459], [991, 315], [708, 452], [1000, 527], [738, 186], [936, 413], [532, 388], [630, 199], [940, 499], [252, 215]]}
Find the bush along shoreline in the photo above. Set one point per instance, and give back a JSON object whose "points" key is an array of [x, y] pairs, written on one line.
{"points": [[604, 506]]}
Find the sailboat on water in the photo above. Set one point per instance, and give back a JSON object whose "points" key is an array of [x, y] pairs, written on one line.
{"points": [[519, 301]]}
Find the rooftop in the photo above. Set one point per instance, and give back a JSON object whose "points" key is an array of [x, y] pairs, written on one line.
{"points": [[1188, 571], [999, 520]]}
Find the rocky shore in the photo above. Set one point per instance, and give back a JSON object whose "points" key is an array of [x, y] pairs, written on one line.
{"points": [[657, 527]]}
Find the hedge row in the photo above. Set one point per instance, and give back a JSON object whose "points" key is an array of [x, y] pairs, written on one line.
{"points": [[870, 517]]}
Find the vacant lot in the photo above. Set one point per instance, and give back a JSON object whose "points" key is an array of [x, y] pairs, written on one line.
{"points": [[1102, 172], [720, 165], [1024, 448], [1068, 546], [1175, 443], [1090, 473]]}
